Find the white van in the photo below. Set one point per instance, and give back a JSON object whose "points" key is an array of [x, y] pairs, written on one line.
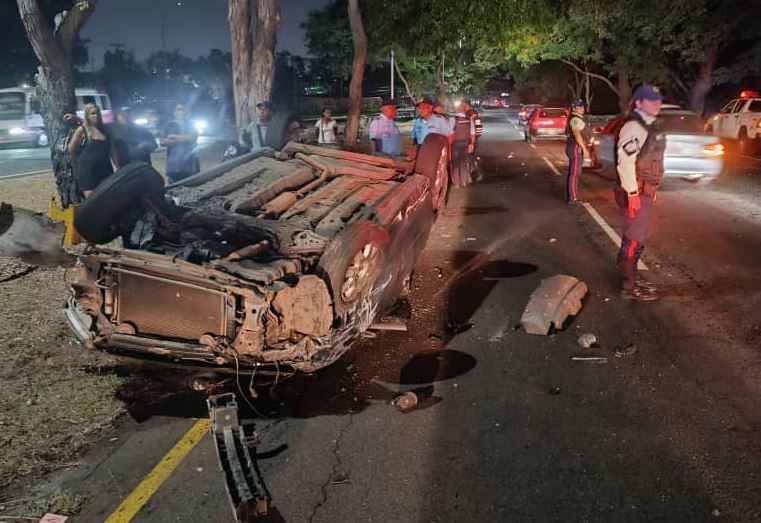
{"points": [[21, 121]]}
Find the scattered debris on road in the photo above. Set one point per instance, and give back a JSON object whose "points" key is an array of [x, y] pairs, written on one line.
{"points": [[553, 240], [554, 391], [590, 359], [389, 324], [406, 401], [587, 340], [629, 350], [556, 298], [246, 491]]}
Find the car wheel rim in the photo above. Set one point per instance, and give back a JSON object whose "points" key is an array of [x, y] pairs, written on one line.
{"points": [[359, 272]]}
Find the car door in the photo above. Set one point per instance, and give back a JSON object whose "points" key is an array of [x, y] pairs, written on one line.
{"points": [[720, 124], [606, 142], [733, 120]]}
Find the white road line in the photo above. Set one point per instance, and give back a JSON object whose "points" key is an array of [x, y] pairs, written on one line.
{"points": [[554, 169], [532, 146], [609, 231], [21, 175]]}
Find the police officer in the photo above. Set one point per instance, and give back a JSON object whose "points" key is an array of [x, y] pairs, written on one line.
{"points": [[575, 149], [463, 145], [427, 123], [384, 132], [639, 150]]}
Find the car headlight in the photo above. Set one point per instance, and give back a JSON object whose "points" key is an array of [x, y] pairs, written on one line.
{"points": [[141, 121], [200, 125], [15, 131]]}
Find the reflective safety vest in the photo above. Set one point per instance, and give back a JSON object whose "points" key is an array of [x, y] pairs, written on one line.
{"points": [[651, 154], [569, 133], [461, 129]]}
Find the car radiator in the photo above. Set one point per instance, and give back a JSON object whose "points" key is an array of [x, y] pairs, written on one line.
{"points": [[157, 306]]}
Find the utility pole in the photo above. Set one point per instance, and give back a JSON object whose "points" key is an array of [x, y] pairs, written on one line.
{"points": [[392, 74]]}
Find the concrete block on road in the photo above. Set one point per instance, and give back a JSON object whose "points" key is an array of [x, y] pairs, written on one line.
{"points": [[552, 302]]}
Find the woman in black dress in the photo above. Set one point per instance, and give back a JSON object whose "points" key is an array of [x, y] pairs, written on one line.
{"points": [[93, 150]]}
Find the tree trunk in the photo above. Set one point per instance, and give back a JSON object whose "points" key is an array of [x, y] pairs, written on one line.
{"points": [[702, 85], [624, 89], [268, 21], [55, 79], [241, 44], [358, 72]]}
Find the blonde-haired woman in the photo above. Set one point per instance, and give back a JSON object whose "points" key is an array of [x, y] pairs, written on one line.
{"points": [[90, 144]]}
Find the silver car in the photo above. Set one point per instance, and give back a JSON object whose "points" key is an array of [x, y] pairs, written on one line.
{"points": [[690, 153]]}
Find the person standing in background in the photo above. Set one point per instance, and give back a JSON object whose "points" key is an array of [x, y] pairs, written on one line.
{"points": [[179, 138], [326, 128]]}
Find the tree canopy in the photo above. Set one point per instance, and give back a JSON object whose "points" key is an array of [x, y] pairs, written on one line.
{"points": [[458, 45]]}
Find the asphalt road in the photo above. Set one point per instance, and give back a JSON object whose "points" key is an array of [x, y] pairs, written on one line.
{"points": [[509, 427]]}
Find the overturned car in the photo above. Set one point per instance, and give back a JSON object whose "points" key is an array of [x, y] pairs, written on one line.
{"points": [[277, 258]]}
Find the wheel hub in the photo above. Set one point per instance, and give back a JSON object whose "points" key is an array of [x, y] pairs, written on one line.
{"points": [[359, 272]]}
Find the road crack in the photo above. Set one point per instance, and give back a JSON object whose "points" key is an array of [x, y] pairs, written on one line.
{"points": [[334, 470]]}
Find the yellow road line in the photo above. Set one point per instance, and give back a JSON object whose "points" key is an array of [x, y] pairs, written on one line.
{"points": [[160, 473]]}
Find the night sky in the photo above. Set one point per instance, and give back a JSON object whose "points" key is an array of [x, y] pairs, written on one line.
{"points": [[192, 26]]}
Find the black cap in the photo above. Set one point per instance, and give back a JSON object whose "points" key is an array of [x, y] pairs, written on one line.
{"points": [[425, 100], [387, 101], [578, 102]]}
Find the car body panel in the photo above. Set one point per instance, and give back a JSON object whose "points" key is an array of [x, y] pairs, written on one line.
{"points": [[547, 123], [686, 154], [306, 211]]}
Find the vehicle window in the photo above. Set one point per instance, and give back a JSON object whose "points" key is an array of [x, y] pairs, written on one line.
{"points": [[728, 108], [552, 113], [684, 123], [755, 106], [738, 106], [11, 106], [86, 100], [104, 102]]}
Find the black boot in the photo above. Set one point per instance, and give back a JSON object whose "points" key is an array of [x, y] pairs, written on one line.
{"points": [[640, 280], [627, 269]]}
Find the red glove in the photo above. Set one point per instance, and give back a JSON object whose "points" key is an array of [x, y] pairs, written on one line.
{"points": [[635, 204]]}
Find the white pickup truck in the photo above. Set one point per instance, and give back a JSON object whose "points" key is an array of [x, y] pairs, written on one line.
{"points": [[740, 120]]}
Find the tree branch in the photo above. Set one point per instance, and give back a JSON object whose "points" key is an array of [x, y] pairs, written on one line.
{"points": [[410, 94], [593, 75], [678, 82], [44, 44], [75, 18]]}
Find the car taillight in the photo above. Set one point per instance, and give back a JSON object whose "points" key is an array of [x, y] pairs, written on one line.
{"points": [[715, 149]]}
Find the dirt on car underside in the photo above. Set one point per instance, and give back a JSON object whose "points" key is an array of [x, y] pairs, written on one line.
{"points": [[283, 258]]}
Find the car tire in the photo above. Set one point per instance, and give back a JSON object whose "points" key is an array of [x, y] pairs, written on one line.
{"points": [[281, 129], [101, 217], [745, 144], [433, 163], [352, 263]]}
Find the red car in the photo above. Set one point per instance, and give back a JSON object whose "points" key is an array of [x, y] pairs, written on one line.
{"points": [[547, 123]]}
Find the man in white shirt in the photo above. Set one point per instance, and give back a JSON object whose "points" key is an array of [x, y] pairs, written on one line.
{"points": [[384, 132]]}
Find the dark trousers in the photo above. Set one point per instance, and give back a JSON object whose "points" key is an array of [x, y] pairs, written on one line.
{"points": [[635, 233], [575, 164], [461, 164]]}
